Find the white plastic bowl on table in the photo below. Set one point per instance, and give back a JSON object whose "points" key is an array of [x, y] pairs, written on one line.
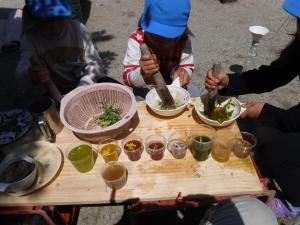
{"points": [[80, 107], [179, 94], [237, 110]]}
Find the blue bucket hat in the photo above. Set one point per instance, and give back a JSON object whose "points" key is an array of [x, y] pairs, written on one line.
{"points": [[166, 18], [292, 7], [49, 8]]}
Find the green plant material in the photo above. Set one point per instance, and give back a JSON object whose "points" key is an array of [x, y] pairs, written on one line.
{"points": [[221, 114], [164, 106], [109, 116]]}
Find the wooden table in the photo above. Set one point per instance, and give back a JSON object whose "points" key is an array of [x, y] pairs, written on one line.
{"points": [[149, 180]]}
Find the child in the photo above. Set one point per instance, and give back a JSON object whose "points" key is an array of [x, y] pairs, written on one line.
{"points": [[63, 46], [163, 27]]}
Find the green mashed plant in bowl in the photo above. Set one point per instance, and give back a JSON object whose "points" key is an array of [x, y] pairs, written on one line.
{"points": [[163, 106], [221, 113], [110, 115]]}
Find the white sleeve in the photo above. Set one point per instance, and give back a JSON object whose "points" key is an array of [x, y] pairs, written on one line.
{"points": [[94, 66], [132, 71], [187, 59]]}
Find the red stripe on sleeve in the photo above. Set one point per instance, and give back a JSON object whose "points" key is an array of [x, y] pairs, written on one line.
{"points": [[138, 36], [190, 66]]}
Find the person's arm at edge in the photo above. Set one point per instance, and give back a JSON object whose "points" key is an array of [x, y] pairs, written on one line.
{"points": [[286, 120], [187, 58], [266, 78], [94, 66], [132, 75]]}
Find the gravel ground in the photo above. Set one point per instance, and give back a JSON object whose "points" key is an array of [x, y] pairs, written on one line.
{"points": [[220, 34]]}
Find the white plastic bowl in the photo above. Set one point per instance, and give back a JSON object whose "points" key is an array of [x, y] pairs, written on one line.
{"points": [[179, 94], [237, 110]]}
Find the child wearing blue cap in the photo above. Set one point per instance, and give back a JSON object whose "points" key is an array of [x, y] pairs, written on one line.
{"points": [[63, 46], [163, 27], [277, 130]]}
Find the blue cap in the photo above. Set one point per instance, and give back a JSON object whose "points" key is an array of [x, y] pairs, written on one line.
{"points": [[49, 8], [166, 18], [292, 7]]}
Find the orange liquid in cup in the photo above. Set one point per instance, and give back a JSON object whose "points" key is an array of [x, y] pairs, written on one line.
{"points": [[110, 152]]}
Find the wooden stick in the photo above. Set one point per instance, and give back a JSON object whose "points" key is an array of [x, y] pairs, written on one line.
{"points": [[160, 85]]}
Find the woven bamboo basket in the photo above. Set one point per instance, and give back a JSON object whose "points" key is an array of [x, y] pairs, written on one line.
{"points": [[80, 107]]}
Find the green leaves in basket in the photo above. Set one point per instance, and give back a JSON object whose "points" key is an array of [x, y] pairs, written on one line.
{"points": [[109, 116]]}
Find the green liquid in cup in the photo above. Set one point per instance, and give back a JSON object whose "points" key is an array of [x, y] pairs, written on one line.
{"points": [[200, 147], [82, 158]]}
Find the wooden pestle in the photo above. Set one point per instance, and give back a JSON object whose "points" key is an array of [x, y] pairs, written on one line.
{"points": [[160, 85]]}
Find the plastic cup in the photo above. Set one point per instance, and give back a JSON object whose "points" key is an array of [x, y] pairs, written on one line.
{"points": [[114, 174], [201, 140], [243, 146], [133, 147], [178, 144], [155, 146], [221, 150], [81, 155], [109, 150]]}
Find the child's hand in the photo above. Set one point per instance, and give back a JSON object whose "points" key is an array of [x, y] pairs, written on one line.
{"points": [[39, 74], [149, 65], [183, 76]]}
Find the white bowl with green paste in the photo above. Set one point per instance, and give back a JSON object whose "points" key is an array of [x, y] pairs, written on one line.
{"points": [[180, 96], [232, 108]]}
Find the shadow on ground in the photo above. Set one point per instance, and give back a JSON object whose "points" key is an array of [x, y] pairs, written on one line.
{"points": [[172, 216], [107, 56]]}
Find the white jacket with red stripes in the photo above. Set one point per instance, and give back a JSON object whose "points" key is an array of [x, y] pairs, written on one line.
{"points": [[132, 71]]}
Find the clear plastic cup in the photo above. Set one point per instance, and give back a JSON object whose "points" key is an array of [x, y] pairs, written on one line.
{"points": [[114, 174], [133, 147], [201, 140], [221, 150], [109, 149], [178, 144], [243, 146], [81, 155], [155, 146]]}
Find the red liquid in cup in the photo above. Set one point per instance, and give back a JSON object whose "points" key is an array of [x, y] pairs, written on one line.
{"points": [[156, 150]]}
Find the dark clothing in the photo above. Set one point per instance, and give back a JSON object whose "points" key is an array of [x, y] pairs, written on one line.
{"points": [[277, 130], [266, 79], [277, 155]]}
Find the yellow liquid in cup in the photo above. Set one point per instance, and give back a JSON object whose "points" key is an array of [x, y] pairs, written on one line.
{"points": [[82, 158], [110, 152]]}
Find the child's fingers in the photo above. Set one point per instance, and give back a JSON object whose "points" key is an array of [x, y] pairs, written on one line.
{"points": [[148, 62], [150, 67], [146, 57], [183, 78]]}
